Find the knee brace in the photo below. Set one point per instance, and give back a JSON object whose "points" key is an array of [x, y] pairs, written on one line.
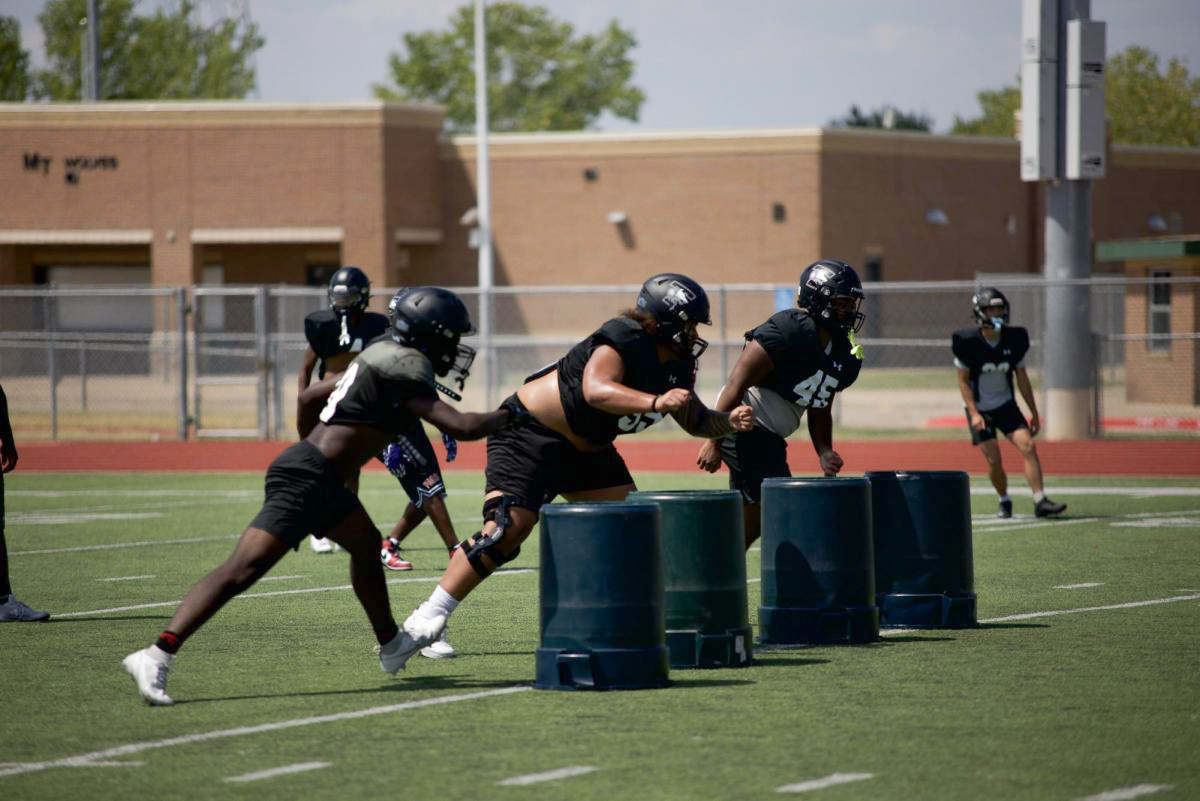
{"points": [[479, 544]]}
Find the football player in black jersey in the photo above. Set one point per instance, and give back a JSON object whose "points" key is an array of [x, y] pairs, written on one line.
{"points": [[384, 391], [11, 610], [335, 336], [987, 358], [795, 361], [633, 371]]}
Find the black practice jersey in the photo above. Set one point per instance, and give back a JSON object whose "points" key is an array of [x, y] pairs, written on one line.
{"points": [[990, 366], [376, 387], [324, 331], [805, 373], [643, 372]]}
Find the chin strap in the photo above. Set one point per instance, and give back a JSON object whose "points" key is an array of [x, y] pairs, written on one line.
{"points": [[344, 338], [856, 350]]}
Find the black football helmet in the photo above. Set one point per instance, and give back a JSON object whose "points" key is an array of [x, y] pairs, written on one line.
{"points": [[990, 307], [349, 289], [433, 320], [826, 281], [675, 300]]}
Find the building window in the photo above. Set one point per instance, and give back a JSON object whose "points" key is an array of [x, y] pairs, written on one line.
{"points": [[1159, 312]]}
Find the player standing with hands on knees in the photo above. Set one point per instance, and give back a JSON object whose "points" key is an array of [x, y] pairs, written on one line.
{"points": [[794, 362], [633, 371], [987, 358]]}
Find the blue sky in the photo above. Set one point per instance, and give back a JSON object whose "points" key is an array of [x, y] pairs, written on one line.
{"points": [[712, 64]]}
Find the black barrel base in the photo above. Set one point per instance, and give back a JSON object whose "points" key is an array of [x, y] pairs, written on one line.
{"points": [[602, 669], [693, 649], [935, 611], [801, 626]]}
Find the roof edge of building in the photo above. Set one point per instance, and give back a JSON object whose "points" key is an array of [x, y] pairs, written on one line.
{"points": [[194, 113]]}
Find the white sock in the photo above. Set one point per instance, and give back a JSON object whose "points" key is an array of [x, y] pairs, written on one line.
{"points": [[440, 603], [1038, 497], [1004, 499]]}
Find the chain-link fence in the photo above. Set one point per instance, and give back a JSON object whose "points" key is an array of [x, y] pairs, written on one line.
{"points": [[224, 361]]}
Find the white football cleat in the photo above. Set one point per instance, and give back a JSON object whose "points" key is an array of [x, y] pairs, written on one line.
{"points": [[321, 544], [440, 648], [417, 632], [149, 673]]}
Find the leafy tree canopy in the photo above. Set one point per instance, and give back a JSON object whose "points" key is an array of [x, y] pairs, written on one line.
{"points": [[14, 62], [541, 75], [168, 55], [887, 118]]}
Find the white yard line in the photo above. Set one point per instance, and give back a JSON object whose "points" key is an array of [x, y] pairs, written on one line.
{"points": [[1055, 612], [273, 772], [276, 593], [87, 760], [1045, 521], [280, 578], [1080, 586], [820, 784], [1132, 492], [126, 578], [1123, 793], [548, 776], [111, 545]]}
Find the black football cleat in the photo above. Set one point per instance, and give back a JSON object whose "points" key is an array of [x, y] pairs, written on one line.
{"points": [[1005, 509], [1046, 507]]}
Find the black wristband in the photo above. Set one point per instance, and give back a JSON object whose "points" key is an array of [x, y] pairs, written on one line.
{"points": [[653, 404]]}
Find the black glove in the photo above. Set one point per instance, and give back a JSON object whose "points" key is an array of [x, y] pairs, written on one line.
{"points": [[518, 415]]}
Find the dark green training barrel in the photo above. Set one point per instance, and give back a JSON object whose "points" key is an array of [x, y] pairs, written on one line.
{"points": [[818, 582], [924, 573], [601, 598], [704, 577]]}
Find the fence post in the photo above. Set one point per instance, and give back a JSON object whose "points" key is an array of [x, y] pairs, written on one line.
{"points": [[263, 358], [722, 299], [82, 375], [1097, 384], [182, 315], [51, 363]]}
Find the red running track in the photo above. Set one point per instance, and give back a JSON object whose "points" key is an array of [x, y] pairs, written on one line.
{"points": [[1085, 457]]}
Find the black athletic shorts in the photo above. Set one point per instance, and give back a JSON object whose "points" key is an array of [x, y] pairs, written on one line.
{"points": [[418, 470], [1, 502], [752, 456], [1006, 418], [536, 464], [304, 495]]}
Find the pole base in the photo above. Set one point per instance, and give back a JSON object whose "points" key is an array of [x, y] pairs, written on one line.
{"points": [[602, 669], [933, 611], [807, 626], [693, 649]]}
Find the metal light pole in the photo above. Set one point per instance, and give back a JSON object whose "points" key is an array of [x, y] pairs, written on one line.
{"points": [[483, 203], [90, 55]]}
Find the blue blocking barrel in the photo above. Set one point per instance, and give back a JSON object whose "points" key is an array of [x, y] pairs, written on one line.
{"points": [[601, 586], [818, 565], [704, 577], [924, 569]]}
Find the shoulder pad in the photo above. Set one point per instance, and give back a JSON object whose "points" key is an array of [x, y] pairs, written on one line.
{"points": [[395, 362], [621, 332], [316, 322]]}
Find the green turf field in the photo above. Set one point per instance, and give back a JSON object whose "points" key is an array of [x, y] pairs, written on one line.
{"points": [[1096, 695]]}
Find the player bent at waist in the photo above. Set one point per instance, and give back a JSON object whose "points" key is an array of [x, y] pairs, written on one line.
{"points": [[625, 377], [385, 390]]}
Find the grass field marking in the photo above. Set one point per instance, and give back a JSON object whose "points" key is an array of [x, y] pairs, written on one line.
{"points": [[1133, 492], [1123, 793], [1130, 605], [1080, 586], [70, 518], [86, 760], [1045, 521], [127, 578], [280, 578], [299, 767], [112, 545], [547, 776], [820, 784], [275, 593]]}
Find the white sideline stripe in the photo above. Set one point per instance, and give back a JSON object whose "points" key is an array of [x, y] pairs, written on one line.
{"points": [[148, 493], [548, 776], [1130, 605], [273, 772], [126, 578], [1080, 586], [1127, 792], [66, 518], [1045, 521], [157, 604], [820, 784], [86, 760], [1133, 492], [123, 545], [280, 578]]}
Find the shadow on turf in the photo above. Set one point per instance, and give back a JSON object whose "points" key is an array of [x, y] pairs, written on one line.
{"points": [[416, 683]]}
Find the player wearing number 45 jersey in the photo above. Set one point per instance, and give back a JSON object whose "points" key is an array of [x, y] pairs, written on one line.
{"points": [[634, 370], [987, 358], [384, 392], [794, 362]]}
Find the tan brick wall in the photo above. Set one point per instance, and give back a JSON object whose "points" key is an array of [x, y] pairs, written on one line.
{"points": [[1163, 376]]}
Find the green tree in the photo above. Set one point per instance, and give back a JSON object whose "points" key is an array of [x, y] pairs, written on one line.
{"points": [[541, 76], [999, 108], [1149, 107], [885, 117], [168, 55], [14, 62], [1146, 106]]}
